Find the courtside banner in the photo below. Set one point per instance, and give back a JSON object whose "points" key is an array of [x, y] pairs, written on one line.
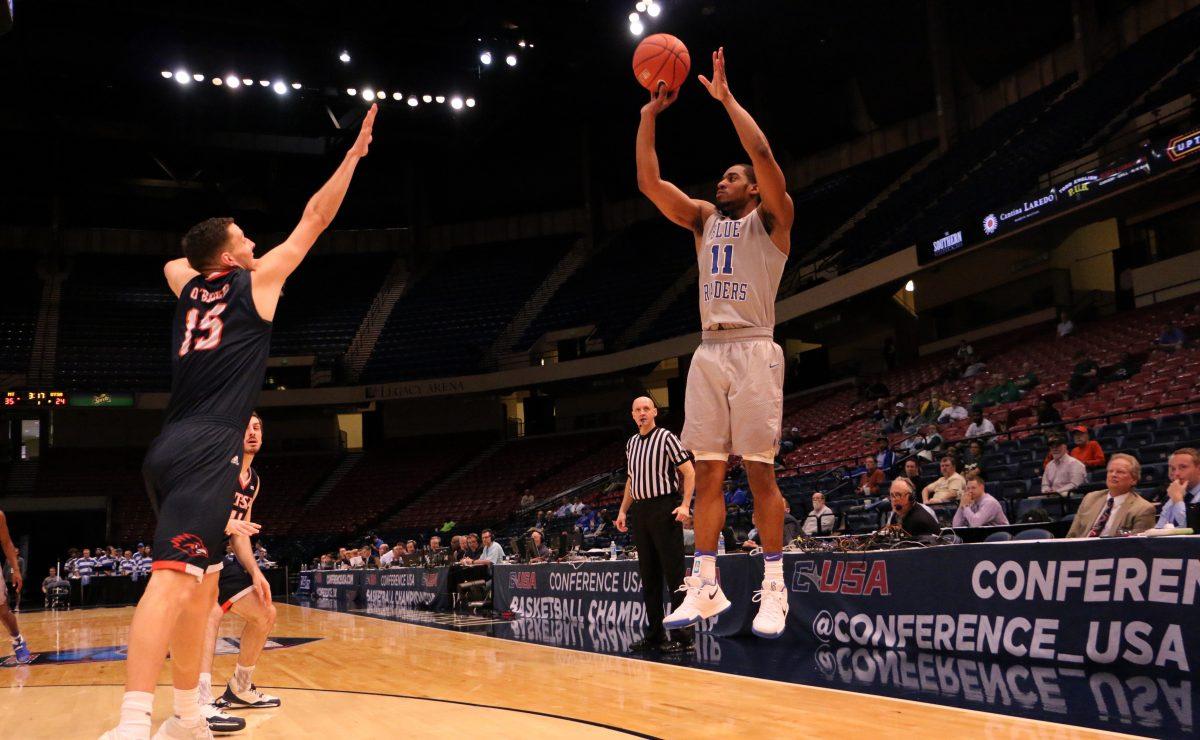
{"points": [[1130, 601], [426, 587], [305, 585], [609, 593], [340, 585]]}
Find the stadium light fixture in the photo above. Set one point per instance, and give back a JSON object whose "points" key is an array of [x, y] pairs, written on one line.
{"points": [[166, 74], [344, 56], [636, 28], [485, 58], [910, 286], [426, 98], [397, 96], [470, 102], [217, 81], [521, 43], [653, 9], [440, 98], [264, 83], [634, 17], [248, 82], [182, 77], [352, 92], [641, 7], [233, 81], [295, 85], [368, 94], [198, 77], [511, 60], [412, 101], [380, 95], [279, 88], [456, 103]]}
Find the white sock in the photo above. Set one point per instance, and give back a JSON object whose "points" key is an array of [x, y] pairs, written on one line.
{"points": [[773, 570], [17, 639], [135, 713], [205, 689], [708, 568], [241, 676], [187, 705]]}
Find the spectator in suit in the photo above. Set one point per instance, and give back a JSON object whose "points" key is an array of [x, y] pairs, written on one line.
{"points": [[1184, 489], [1086, 451], [1063, 473], [1117, 510], [978, 508], [947, 488], [870, 481]]}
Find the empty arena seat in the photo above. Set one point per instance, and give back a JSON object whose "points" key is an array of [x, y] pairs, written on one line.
{"points": [[998, 537], [1033, 534]]}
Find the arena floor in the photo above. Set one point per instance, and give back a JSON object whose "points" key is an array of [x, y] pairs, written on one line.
{"points": [[380, 675]]}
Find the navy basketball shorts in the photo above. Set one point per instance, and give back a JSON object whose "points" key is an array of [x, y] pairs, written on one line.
{"points": [[191, 472], [234, 585]]}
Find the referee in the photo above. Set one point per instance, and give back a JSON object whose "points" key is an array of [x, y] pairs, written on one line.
{"points": [[656, 462]]}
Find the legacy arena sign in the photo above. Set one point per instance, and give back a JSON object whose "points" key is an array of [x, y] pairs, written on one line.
{"points": [[1122, 601]]}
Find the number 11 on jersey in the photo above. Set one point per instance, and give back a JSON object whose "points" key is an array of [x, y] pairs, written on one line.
{"points": [[727, 269]]}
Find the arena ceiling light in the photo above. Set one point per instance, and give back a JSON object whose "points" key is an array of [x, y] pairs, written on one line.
{"points": [[233, 82], [264, 83], [368, 94], [198, 77], [380, 95], [470, 102], [636, 28], [217, 81], [440, 98], [412, 101], [456, 103], [352, 92], [279, 88], [427, 98], [247, 82], [344, 57], [182, 77], [485, 58], [166, 74], [653, 9], [511, 60], [397, 96], [295, 85], [910, 286]]}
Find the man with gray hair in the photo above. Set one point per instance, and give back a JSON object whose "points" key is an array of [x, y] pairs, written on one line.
{"points": [[821, 520], [1117, 510]]}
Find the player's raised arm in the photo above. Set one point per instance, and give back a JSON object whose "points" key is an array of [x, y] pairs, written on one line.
{"points": [[275, 266], [178, 272], [673, 202], [777, 210]]}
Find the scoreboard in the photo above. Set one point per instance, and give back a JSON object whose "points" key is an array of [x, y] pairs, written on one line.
{"points": [[28, 399]]}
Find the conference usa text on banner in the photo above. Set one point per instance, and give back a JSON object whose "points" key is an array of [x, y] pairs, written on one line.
{"points": [[1127, 603]]}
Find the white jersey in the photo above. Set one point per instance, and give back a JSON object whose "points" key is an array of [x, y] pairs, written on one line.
{"points": [[740, 269]]}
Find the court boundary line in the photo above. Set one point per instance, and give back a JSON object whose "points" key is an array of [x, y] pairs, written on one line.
{"points": [[906, 702], [477, 705]]}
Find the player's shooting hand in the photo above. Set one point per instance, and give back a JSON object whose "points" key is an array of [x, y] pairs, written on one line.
{"points": [[718, 87], [363, 142], [660, 99], [622, 526], [242, 527], [262, 588]]}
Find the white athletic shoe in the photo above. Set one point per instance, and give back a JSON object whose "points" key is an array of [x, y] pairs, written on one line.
{"points": [[772, 610], [219, 722], [251, 698], [703, 600], [175, 729], [117, 733]]}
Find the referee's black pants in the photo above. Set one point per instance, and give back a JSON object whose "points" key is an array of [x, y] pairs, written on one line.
{"points": [[659, 541]]}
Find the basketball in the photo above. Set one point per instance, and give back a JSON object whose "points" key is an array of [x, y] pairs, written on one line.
{"points": [[661, 58]]}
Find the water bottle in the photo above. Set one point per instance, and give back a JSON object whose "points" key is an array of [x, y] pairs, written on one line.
{"points": [[721, 544], [612, 550]]}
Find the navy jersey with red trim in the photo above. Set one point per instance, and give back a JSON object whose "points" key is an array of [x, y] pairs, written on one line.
{"points": [[244, 497], [219, 348]]}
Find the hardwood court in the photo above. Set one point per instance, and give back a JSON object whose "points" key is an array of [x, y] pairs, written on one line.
{"points": [[370, 678]]}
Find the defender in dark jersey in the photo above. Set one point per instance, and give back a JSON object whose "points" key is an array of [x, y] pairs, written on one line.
{"points": [[243, 590], [220, 342]]}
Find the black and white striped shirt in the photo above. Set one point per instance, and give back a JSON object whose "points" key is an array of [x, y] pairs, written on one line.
{"points": [[651, 461]]}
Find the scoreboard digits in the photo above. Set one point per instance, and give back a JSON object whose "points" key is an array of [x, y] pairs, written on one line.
{"points": [[26, 399]]}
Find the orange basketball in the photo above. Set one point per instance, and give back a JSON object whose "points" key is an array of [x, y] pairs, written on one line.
{"points": [[661, 58]]}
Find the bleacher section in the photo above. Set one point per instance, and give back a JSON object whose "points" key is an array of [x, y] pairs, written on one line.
{"points": [[114, 325], [19, 303], [324, 302], [618, 283], [445, 324]]}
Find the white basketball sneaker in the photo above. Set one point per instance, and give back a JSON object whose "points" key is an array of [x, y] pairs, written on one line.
{"points": [[703, 600], [772, 610], [175, 729], [251, 698]]}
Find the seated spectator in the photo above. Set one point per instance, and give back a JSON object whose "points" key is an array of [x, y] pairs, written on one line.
{"points": [[972, 454], [542, 553], [587, 522], [604, 525], [435, 543], [974, 369], [870, 481], [526, 499], [885, 458], [564, 510], [887, 424], [1027, 380], [984, 395], [738, 497], [105, 562], [1118, 510], [947, 488], [965, 351], [386, 556], [978, 507], [980, 427], [953, 412], [456, 550], [820, 521], [1046, 413], [913, 518], [1126, 368], [1085, 377], [491, 552], [127, 566], [1065, 325], [881, 408], [52, 580], [1171, 339], [908, 419], [1063, 472], [1086, 451], [932, 408], [1184, 490], [912, 471], [470, 549], [1007, 392], [928, 443]]}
